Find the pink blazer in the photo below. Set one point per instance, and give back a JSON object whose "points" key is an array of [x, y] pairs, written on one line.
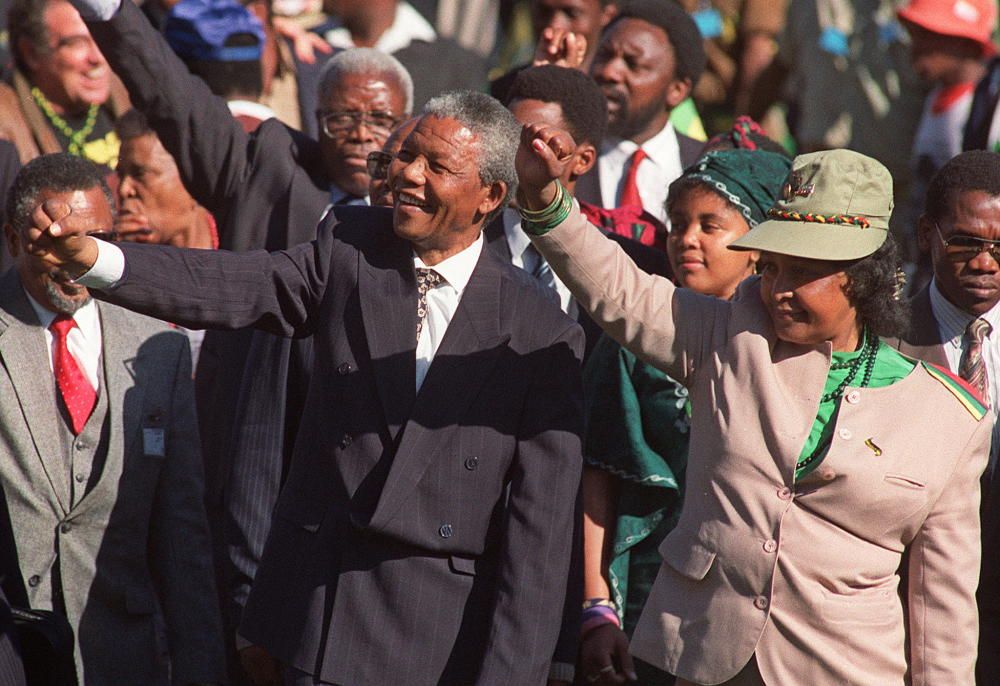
{"points": [[803, 575]]}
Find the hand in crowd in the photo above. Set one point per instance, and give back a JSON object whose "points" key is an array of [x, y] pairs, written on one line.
{"points": [[543, 156], [604, 657], [561, 48], [304, 43], [262, 669], [56, 235], [131, 225]]}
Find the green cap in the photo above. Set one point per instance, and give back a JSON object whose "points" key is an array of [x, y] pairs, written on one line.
{"points": [[835, 205]]}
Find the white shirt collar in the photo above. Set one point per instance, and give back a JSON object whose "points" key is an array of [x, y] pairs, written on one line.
{"points": [[86, 317], [408, 26], [457, 269], [662, 148], [953, 321], [517, 239]]}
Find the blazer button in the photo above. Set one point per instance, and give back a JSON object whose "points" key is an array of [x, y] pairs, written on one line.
{"points": [[845, 434], [65, 527], [472, 463], [785, 493], [446, 531], [345, 369], [34, 580], [854, 397], [760, 602], [346, 441], [770, 546], [80, 478]]}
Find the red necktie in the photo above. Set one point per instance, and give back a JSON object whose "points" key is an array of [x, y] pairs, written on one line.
{"points": [[77, 394], [630, 191]]}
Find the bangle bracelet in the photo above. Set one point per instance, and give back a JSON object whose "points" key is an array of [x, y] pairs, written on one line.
{"points": [[596, 616], [535, 214], [540, 223], [597, 602]]}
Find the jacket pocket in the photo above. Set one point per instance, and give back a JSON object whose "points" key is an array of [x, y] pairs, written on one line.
{"points": [[688, 558], [462, 565], [905, 481], [874, 607]]}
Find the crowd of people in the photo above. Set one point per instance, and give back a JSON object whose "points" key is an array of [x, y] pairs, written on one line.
{"points": [[500, 342]]}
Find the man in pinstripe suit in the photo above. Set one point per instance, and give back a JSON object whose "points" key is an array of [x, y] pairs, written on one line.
{"points": [[424, 532]]}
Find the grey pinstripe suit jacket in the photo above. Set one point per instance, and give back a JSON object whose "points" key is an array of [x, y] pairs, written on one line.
{"points": [[418, 539], [135, 548]]}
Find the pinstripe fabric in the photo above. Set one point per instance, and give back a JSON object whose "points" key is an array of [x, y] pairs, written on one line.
{"points": [[419, 538]]}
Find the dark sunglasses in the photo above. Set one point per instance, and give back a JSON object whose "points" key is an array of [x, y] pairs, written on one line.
{"points": [[962, 248]]}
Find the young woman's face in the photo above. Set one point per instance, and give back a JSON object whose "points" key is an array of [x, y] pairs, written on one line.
{"points": [[807, 301], [702, 225]]}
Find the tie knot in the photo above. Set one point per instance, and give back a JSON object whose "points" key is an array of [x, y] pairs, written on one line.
{"points": [[978, 329], [638, 156], [62, 325], [427, 278]]}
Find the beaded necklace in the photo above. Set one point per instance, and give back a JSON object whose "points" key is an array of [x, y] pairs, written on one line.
{"points": [[77, 138], [866, 359]]}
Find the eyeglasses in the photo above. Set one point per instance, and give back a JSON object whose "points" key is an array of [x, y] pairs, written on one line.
{"points": [[378, 164], [336, 124], [962, 248]]}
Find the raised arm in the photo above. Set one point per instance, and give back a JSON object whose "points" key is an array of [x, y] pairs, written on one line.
{"points": [[639, 310], [194, 125]]}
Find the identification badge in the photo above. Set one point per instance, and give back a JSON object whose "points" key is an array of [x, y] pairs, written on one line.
{"points": [[154, 442]]}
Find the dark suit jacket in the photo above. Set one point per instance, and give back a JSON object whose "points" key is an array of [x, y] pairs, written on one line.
{"points": [[924, 343], [588, 188], [418, 539]]}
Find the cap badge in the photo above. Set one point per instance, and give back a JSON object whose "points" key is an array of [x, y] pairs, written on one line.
{"points": [[795, 187]]}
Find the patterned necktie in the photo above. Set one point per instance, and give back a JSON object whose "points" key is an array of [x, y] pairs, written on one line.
{"points": [[426, 280], [630, 191], [972, 367], [78, 396]]}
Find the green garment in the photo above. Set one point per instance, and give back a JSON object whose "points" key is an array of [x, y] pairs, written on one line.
{"points": [[637, 429], [890, 367], [686, 120]]}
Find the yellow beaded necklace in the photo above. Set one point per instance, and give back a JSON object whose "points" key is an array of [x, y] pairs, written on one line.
{"points": [[77, 137]]}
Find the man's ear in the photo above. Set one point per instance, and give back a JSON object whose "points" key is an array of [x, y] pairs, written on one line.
{"points": [[586, 158], [677, 91], [925, 233], [494, 196], [13, 239]]}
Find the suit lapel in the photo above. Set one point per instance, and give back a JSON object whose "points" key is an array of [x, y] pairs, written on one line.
{"points": [[22, 349], [496, 238], [471, 347], [924, 340], [388, 297]]}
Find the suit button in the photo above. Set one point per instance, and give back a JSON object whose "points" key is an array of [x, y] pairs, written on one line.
{"points": [[472, 463], [345, 369], [845, 434], [760, 602], [34, 580], [446, 531], [65, 527], [854, 397], [770, 546], [81, 446], [346, 441], [785, 493], [80, 478]]}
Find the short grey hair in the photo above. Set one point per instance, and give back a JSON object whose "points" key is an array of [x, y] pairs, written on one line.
{"points": [[498, 131], [365, 61]]}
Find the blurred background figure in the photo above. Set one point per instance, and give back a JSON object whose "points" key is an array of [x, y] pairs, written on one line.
{"points": [[62, 95]]}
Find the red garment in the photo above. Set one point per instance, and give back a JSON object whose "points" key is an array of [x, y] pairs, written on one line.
{"points": [[78, 396], [630, 191], [630, 221]]}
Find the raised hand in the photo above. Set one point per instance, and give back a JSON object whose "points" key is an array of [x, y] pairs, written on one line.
{"points": [[561, 48], [58, 238], [543, 156]]}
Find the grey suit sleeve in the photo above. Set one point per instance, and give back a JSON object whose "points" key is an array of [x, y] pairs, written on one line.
{"points": [[194, 125], [215, 289], [180, 551], [539, 526]]}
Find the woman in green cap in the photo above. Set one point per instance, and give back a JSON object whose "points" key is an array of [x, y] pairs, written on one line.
{"points": [[637, 438], [821, 461]]}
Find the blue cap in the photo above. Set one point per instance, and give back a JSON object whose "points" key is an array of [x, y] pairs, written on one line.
{"points": [[199, 29]]}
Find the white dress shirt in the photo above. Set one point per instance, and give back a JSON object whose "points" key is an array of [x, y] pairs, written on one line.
{"points": [[442, 302], [655, 175], [409, 25], [84, 340], [524, 256], [952, 323]]}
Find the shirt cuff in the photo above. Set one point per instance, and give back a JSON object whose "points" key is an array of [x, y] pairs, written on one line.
{"points": [[96, 10], [108, 269]]}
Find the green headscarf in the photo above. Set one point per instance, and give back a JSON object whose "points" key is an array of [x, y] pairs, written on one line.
{"points": [[749, 179]]}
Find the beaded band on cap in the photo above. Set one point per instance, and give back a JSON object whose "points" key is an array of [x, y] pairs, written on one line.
{"points": [[845, 219]]}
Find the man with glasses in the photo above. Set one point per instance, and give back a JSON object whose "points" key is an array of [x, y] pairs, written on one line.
{"points": [[956, 324]]}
